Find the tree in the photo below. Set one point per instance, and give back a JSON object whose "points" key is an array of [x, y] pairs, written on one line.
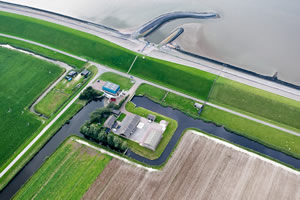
{"points": [[110, 140], [99, 113], [89, 93], [123, 146], [117, 142], [85, 128], [102, 136]]}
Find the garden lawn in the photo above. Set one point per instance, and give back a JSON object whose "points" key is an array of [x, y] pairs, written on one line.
{"points": [[256, 101], [167, 135], [67, 174], [22, 79], [125, 83], [274, 138], [42, 51]]}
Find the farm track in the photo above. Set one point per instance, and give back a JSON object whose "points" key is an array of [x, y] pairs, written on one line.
{"points": [[200, 168]]}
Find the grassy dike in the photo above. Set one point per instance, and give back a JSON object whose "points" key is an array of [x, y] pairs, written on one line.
{"points": [[42, 51], [93, 48], [67, 174], [70, 112], [256, 101]]}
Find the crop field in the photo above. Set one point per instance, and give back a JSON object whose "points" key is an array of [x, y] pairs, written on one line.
{"points": [[22, 79], [274, 138], [67, 174], [125, 83], [42, 51], [256, 101], [58, 95], [199, 169]]}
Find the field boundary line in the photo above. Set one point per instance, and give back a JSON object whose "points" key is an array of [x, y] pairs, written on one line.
{"points": [[252, 154], [114, 155]]}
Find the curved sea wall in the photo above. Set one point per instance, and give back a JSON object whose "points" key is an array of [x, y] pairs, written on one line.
{"points": [[152, 25]]}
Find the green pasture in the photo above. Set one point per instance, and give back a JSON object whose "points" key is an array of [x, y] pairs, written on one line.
{"points": [[67, 174], [22, 79]]}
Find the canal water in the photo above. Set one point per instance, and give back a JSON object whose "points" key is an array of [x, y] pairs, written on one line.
{"points": [[259, 36], [183, 122]]}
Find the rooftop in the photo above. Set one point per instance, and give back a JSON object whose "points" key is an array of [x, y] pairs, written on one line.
{"points": [[110, 122], [129, 125]]}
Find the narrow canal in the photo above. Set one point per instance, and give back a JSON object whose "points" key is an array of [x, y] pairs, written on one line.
{"points": [[183, 122]]}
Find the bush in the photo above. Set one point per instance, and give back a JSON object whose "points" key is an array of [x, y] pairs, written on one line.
{"points": [[89, 94]]}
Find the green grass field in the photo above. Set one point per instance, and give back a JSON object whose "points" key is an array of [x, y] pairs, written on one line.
{"points": [[266, 135], [22, 79], [58, 95], [168, 99], [42, 51], [125, 83], [184, 79], [167, 135], [256, 101], [67, 39], [67, 174]]}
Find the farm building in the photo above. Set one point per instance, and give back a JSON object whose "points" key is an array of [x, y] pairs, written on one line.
{"points": [[129, 125], [151, 118], [110, 122], [72, 73], [85, 72], [111, 88], [153, 139]]}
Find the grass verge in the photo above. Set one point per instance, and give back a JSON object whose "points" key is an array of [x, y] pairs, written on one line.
{"points": [[67, 173]]}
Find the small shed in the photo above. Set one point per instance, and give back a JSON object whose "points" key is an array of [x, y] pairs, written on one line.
{"points": [[111, 88], [198, 105], [110, 121], [72, 73], [85, 73], [151, 117], [116, 112]]}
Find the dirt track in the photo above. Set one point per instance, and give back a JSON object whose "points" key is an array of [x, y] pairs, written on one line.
{"points": [[199, 169]]}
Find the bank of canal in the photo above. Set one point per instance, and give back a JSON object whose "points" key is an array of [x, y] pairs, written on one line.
{"points": [[183, 122]]}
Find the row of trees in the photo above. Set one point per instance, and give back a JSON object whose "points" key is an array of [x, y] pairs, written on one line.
{"points": [[98, 134]]}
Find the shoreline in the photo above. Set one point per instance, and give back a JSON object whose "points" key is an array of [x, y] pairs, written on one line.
{"points": [[163, 53]]}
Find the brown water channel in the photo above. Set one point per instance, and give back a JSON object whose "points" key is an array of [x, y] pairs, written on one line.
{"points": [[183, 122]]}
